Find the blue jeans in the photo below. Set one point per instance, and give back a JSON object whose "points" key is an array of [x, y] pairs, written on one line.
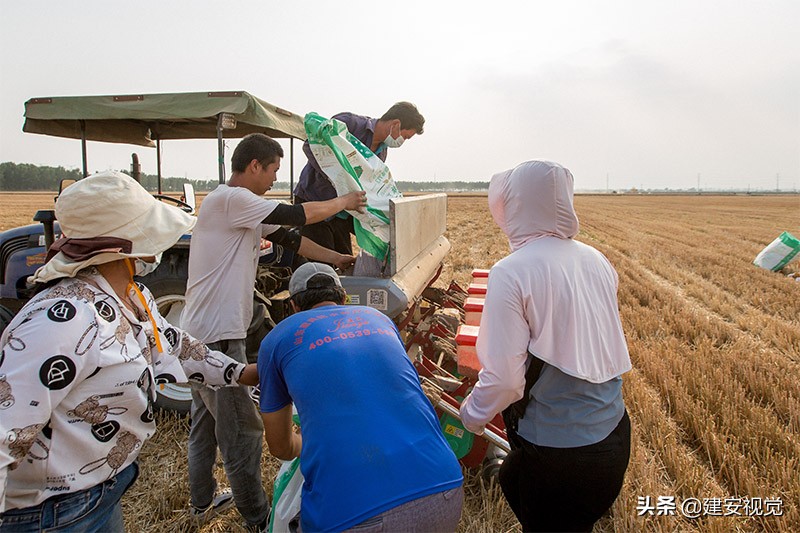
{"points": [[96, 509], [238, 432]]}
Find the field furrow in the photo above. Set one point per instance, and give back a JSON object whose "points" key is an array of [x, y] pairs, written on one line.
{"points": [[761, 375], [714, 394], [706, 365], [718, 263]]}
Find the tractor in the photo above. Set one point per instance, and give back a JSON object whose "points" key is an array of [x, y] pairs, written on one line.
{"points": [[430, 319]]}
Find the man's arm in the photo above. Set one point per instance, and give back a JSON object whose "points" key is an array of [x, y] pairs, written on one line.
{"points": [[315, 252], [319, 211], [286, 215], [304, 246], [282, 441], [249, 375], [312, 212]]}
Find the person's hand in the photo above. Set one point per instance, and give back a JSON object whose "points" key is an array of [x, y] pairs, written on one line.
{"points": [[343, 262], [249, 375], [355, 201], [476, 429]]}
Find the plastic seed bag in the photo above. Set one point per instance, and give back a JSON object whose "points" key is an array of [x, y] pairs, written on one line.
{"points": [[778, 253], [351, 166]]}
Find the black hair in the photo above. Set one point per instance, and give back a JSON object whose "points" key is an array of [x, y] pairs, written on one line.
{"points": [[308, 299], [320, 288], [410, 117], [256, 146]]}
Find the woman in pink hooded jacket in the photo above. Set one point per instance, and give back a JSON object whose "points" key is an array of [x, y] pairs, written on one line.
{"points": [[552, 350]]}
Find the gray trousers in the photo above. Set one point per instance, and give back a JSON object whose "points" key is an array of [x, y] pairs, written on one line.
{"points": [[438, 512], [238, 432]]}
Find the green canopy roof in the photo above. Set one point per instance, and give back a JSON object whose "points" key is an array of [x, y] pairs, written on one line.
{"points": [[144, 118]]}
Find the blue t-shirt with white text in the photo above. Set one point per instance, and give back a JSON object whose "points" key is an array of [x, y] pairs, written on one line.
{"points": [[371, 439]]}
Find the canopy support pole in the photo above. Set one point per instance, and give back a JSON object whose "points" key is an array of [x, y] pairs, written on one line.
{"points": [[158, 163], [83, 148], [220, 150], [291, 169]]}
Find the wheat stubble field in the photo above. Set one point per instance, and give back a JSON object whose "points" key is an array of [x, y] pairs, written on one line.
{"points": [[714, 394]]}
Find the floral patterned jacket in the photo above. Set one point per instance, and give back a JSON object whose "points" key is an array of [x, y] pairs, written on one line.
{"points": [[78, 374]]}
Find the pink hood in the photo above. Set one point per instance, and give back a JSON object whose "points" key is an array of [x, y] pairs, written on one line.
{"points": [[533, 200], [553, 296]]}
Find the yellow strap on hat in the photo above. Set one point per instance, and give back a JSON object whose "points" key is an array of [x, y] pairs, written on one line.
{"points": [[129, 262]]}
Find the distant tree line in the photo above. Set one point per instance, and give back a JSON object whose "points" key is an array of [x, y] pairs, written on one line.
{"points": [[432, 186], [28, 177]]}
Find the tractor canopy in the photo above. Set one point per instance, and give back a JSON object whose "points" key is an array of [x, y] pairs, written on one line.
{"points": [[142, 119]]}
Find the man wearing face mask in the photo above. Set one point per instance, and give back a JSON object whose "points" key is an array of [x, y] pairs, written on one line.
{"points": [[401, 122]]}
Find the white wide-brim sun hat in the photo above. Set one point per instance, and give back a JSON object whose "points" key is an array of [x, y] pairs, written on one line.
{"points": [[112, 204]]}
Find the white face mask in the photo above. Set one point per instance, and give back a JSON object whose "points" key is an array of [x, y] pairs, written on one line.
{"points": [[144, 268], [392, 142]]}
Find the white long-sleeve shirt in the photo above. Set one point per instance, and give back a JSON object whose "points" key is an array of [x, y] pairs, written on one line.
{"points": [[553, 297], [78, 374]]}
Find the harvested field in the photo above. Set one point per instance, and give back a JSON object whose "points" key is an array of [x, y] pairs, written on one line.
{"points": [[18, 208], [714, 395]]}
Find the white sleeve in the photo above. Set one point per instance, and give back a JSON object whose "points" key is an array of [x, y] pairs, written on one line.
{"points": [[268, 229], [502, 348], [197, 362], [216, 368], [46, 352], [247, 210]]}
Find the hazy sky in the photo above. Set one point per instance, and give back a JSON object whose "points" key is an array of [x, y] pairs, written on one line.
{"points": [[639, 93]]}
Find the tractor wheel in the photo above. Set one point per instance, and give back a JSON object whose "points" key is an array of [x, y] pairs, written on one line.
{"points": [[5, 318], [491, 470], [169, 291]]}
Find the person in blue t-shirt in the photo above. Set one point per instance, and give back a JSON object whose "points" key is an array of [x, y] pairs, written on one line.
{"points": [[371, 451]]}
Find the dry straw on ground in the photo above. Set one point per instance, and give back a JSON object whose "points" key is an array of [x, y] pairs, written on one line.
{"points": [[714, 396]]}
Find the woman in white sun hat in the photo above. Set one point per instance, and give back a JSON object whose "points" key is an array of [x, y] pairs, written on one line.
{"points": [[80, 362]]}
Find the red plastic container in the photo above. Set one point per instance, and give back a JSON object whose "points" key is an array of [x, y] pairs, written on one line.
{"points": [[476, 289], [473, 306], [480, 273], [468, 364]]}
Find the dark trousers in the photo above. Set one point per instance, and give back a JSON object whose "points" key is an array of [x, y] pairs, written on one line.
{"points": [[566, 489], [333, 234]]}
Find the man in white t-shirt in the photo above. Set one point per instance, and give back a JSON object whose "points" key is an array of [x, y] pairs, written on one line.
{"points": [[219, 307]]}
